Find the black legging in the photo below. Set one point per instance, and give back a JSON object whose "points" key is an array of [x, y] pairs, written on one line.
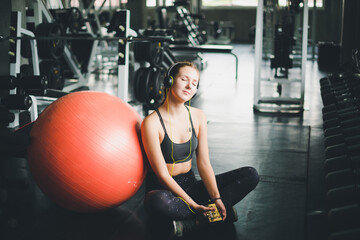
{"points": [[233, 186]]}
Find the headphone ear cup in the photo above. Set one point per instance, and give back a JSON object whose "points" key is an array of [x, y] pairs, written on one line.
{"points": [[168, 81], [197, 87]]}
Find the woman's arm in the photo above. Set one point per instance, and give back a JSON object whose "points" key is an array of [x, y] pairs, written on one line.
{"points": [[204, 166], [151, 141]]}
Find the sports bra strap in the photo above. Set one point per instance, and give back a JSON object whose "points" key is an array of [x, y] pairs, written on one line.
{"points": [[161, 120], [190, 117]]}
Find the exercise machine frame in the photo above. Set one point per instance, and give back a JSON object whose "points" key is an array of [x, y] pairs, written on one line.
{"points": [[278, 103]]}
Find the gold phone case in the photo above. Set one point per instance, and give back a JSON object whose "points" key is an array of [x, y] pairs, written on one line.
{"points": [[213, 216]]}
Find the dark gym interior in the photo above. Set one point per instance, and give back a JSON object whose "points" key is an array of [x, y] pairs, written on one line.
{"points": [[279, 87]]}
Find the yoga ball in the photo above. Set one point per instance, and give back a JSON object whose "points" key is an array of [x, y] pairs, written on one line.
{"points": [[85, 151]]}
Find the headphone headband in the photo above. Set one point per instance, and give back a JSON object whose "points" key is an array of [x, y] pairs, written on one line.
{"points": [[170, 68]]}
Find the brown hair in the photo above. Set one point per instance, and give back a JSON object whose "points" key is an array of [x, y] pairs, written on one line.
{"points": [[176, 68]]}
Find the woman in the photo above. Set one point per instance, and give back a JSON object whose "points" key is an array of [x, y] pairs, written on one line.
{"points": [[171, 136]]}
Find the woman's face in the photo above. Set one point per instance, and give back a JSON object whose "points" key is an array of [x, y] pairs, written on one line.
{"points": [[185, 83]]}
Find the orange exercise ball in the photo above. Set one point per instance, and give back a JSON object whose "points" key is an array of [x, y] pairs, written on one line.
{"points": [[85, 151]]}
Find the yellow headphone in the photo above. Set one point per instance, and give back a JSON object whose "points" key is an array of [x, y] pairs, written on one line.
{"points": [[168, 84]]}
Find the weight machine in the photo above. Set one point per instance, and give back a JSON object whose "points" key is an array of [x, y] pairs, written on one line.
{"points": [[280, 55]]}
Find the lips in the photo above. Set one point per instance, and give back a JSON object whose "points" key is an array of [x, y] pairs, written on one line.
{"points": [[186, 92]]}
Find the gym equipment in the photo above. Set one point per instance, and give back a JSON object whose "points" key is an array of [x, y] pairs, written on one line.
{"points": [[341, 118], [340, 138], [342, 149], [151, 52], [282, 49], [54, 71], [344, 218], [85, 152], [342, 196], [279, 84], [70, 18], [17, 102], [149, 86], [82, 50], [220, 32], [54, 47], [26, 70], [351, 234], [7, 82], [342, 178], [342, 162]]}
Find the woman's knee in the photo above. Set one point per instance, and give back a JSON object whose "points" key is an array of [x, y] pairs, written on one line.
{"points": [[253, 176], [250, 175], [157, 200]]}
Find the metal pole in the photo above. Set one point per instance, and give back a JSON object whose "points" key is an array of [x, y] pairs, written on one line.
{"points": [[313, 31], [304, 50], [258, 50], [123, 67]]}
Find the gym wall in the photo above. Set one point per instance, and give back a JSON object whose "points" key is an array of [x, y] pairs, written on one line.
{"points": [[244, 18]]}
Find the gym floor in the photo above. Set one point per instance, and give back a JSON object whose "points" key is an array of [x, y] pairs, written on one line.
{"points": [[286, 149]]}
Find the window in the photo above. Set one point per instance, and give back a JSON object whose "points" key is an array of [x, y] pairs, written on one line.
{"points": [[152, 3], [249, 3], [98, 3], [319, 3], [228, 3]]}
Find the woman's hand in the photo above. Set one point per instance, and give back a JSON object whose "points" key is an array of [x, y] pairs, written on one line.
{"points": [[221, 207], [202, 209]]}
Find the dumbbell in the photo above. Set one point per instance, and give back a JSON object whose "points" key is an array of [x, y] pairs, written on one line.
{"points": [[350, 90], [341, 138], [342, 196], [344, 218], [338, 118], [332, 79], [24, 82], [351, 234], [344, 99], [340, 83], [346, 131], [346, 122], [342, 106], [342, 178], [332, 109], [332, 97], [341, 115], [342, 149], [338, 94], [342, 162], [17, 102]]}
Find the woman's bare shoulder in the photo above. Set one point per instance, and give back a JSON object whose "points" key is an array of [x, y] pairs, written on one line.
{"points": [[150, 121]]}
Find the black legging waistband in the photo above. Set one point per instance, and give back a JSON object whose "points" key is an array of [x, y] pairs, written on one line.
{"points": [[185, 180]]}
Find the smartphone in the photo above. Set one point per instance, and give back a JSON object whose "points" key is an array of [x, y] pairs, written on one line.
{"points": [[213, 216]]}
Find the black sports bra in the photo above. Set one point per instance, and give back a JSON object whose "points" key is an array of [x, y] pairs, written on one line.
{"points": [[180, 150]]}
